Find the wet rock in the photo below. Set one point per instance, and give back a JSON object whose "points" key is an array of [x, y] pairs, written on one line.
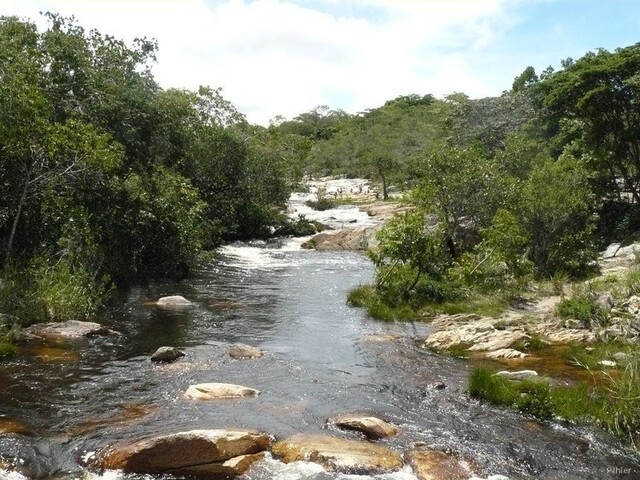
{"points": [[166, 354], [373, 427], [506, 353], [173, 301], [435, 465], [518, 375], [207, 454], [337, 454], [240, 350], [234, 467], [63, 330], [216, 391]]}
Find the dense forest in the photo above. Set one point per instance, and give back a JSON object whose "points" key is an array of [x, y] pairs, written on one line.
{"points": [[108, 179]]}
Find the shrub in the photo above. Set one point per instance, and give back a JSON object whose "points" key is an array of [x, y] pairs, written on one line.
{"points": [[321, 204], [582, 306]]}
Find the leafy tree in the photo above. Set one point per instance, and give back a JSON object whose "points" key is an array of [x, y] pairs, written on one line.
{"points": [[600, 95], [557, 216]]}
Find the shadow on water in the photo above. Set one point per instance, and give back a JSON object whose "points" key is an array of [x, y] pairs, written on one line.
{"points": [[322, 357]]}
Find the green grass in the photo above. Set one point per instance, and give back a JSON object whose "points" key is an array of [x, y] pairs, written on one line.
{"points": [[7, 349], [582, 306], [365, 296], [484, 305], [613, 403]]}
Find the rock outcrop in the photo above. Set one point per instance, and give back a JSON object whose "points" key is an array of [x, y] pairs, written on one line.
{"points": [[241, 351], [217, 391], [209, 454], [166, 354], [373, 427], [337, 454], [350, 239]]}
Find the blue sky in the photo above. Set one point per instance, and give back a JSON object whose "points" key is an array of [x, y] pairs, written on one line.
{"points": [[284, 57]]}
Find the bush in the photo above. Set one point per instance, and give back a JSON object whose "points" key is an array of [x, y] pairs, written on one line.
{"points": [[7, 349], [365, 296], [61, 292], [582, 306], [321, 204]]}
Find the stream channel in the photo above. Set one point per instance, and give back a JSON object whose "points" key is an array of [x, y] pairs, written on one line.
{"points": [[322, 357]]}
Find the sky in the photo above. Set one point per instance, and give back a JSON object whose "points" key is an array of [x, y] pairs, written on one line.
{"points": [[285, 57]]}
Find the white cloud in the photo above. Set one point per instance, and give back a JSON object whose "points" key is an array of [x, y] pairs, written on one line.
{"points": [[285, 57]]}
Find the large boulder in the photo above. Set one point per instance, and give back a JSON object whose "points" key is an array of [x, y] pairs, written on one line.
{"points": [[337, 454], [240, 351], [435, 465], [207, 454], [173, 301], [373, 427], [63, 330], [166, 354], [217, 391]]}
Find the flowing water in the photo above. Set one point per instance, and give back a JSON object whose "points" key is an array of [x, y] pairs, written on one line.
{"points": [[322, 358]]}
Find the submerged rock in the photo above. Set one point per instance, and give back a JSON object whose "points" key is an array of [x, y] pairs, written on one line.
{"points": [[337, 454], [435, 465], [240, 350], [518, 375], [209, 454], [216, 391], [63, 330], [373, 427], [166, 354], [506, 353], [10, 425]]}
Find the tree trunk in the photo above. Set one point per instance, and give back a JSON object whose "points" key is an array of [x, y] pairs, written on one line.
{"points": [[16, 219]]}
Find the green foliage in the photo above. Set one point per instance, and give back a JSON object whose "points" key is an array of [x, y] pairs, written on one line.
{"points": [[582, 306], [412, 262], [557, 216], [321, 204], [7, 349], [365, 296], [60, 292]]}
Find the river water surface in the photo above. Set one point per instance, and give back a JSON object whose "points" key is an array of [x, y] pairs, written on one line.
{"points": [[322, 358]]}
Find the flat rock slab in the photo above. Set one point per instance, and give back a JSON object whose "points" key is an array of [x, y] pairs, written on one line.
{"points": [[166, 354], [337, 454], [217, 391], [373, 427], [242, 351], [435, 465], [201, 453], [506, 353], [64, 330]]}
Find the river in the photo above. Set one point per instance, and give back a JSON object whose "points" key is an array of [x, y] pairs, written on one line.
{"points": [[322, 358]]}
